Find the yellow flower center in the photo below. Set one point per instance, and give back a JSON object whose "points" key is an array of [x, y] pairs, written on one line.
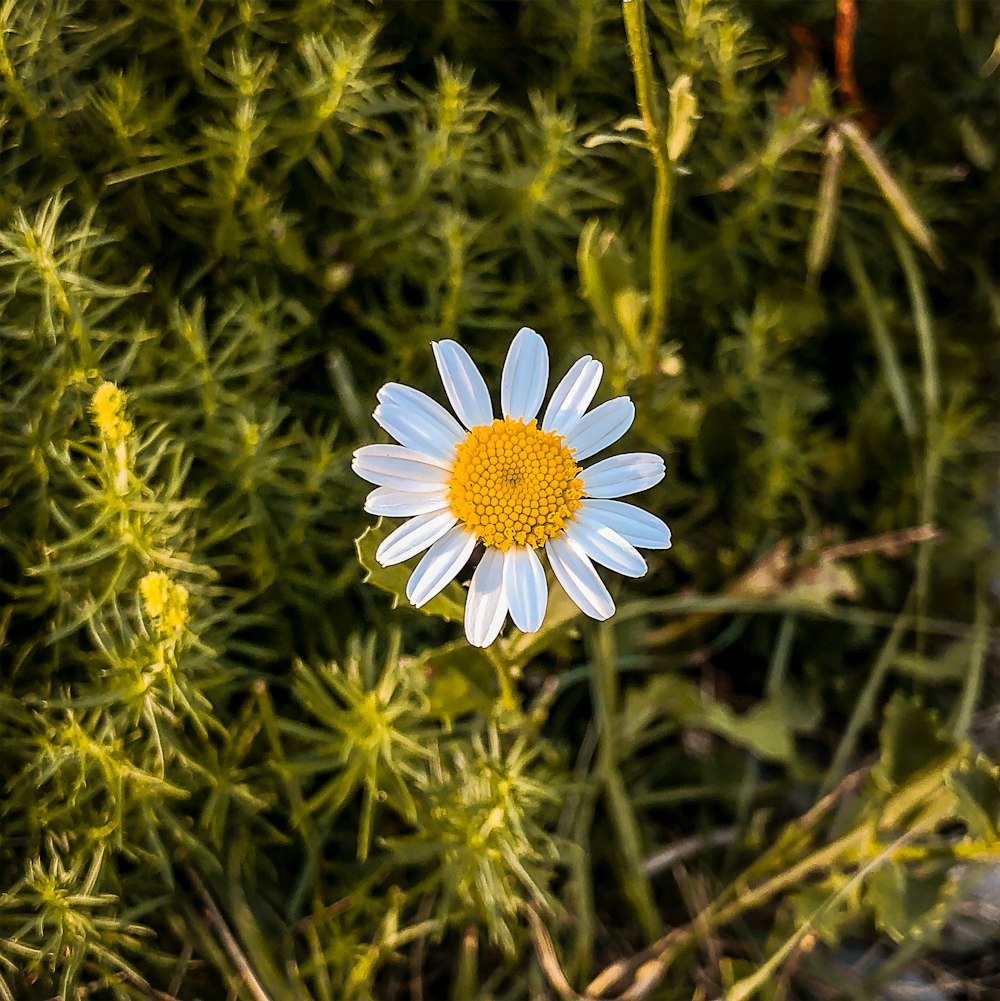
{"points": [[514, 484]]}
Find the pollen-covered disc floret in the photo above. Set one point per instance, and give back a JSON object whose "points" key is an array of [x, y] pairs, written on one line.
{"points": [[514, 484]]}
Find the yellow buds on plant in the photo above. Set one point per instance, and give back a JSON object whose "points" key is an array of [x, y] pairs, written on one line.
{"points": [[108, 408], [166, 603]]}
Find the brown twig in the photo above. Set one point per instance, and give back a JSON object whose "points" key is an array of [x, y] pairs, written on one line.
{"points": [[545, 951], [682, 850], [891, 544], [228, 940], [804, 51], [324, 914], [843, 52], [420, 948]]}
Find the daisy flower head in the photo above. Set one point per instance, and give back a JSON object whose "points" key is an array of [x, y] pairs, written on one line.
{"points": [[512, 484]]}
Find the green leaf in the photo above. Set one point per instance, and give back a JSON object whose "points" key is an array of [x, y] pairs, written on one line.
{"points": [[607, 281], [459, 679], [951, 664], [906, 902], [977, 797], [824, 583], [448, 605], [765, 730], [800, 706], [821, 899], [910, 739]]}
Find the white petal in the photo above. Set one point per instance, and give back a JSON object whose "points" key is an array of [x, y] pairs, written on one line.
{"points": [[622, 474], [411, 427], [633, 524], [525, 587], [403, 503], [525, 376], [579, 579], [413, 537], [406, 396], [602, 427], [401, 468], [486, 607], [439, 565], [573, 395], [465, 387], [605, 546]]}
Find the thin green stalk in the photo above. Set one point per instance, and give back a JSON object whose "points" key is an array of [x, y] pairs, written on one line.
{"points": [[697, 793], [776, 672], [923, 323], [884, 344], [466, 977], [311, 840], [505, 679], [864, 707], [581, 894], [723, 604], [780, 656], [634, 14], [605, 689], [974, 679]]}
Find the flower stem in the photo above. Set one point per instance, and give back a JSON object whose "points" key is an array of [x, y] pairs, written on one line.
{"points": [[505, 679], [634, 14]]}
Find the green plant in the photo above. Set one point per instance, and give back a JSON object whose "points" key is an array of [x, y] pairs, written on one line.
{"points": [[229, 765]]}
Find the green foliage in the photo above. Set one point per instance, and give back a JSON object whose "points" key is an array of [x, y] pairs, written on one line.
{"points": [[229, 766], [449, 604]]}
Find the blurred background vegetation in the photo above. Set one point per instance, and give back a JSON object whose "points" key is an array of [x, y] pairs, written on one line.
{"points": [[230, 768]]}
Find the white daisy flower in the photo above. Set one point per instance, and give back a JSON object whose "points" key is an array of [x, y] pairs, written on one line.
{"points": [[512, 484]]}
